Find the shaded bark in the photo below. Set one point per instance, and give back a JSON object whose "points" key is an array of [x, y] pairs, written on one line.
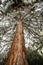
{"points": [[17, 53]]}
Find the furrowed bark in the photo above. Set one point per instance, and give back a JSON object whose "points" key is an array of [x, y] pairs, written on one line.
{"points": [[17, 53]]}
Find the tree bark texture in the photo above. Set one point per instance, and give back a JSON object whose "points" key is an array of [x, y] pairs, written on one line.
{"points": [[17, 52]]}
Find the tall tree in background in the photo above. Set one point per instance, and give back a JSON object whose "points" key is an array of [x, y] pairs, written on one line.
{"points": [[17, 53]]}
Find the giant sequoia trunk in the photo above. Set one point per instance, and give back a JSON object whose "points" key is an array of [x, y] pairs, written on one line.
{"points": [[17, 53]]}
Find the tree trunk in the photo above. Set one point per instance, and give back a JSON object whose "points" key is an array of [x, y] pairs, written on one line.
{"points": [[17, 53]]}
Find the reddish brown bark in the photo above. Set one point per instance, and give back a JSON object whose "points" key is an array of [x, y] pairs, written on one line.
{"points": [[17, 53]]}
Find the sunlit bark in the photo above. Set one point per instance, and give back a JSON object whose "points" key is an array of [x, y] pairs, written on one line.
{"points": [[17, 53]]}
